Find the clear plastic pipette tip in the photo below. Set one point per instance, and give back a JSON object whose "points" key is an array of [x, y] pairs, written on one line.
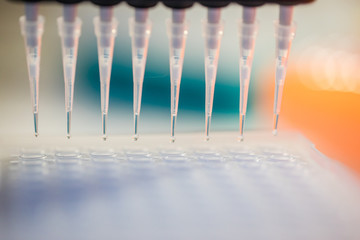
{"points": [[140, 29], [69, 28], [136, 119], [105, 31], [104, 125], [284, 32], [242, 123], [32, 26], [276, 120], [36, 115], [177, 29], [247, 32], [207, 127], [68, 124], [212, 33], [173, 123]]}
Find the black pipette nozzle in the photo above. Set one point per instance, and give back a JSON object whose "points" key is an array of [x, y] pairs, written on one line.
{"points": [[105, 3], [251, 3], [290, 2], [142, 3], [178, 4], [69, 1], [214, 3]]}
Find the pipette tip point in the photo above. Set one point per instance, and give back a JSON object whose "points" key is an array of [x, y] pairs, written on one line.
{"points": [[68, 136], [207, 127], [241, 138], [68, 124], [173, 123], [104, 125], [136, 137], [36, 124], [242, 122], [276, 120]]}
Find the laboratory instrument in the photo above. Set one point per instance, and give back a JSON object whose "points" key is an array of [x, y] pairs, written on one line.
{"points": [[284, 34], [177, 29], [247, 30], [69, 30], [140, 30], [212, 32], [32, 27], [105, 31]]}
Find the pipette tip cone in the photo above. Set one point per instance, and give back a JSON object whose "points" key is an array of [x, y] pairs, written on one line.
{"points": [[173, 123], [36, 116], [104, 126], [242, 123], [241, 138], [207, 127], [136, 121], [68, 124], [135, 137], [276, 120]]}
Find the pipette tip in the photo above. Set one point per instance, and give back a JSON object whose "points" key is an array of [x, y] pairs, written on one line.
{"points": [[173, 123], [276, 120], [242, 121], [104, 125], [241, 138], [68, 124], [136, 135], [36, 116], [207, 127]]}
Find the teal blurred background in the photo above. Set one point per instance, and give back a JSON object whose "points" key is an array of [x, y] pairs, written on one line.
{"points": [[314, 22]]}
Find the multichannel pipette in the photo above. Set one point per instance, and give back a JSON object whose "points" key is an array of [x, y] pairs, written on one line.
{"points": [[140, 30], [284, 33], [105, 31], [247, 32], [32, 25], [212, 32], [177, 29], [69, 30]]}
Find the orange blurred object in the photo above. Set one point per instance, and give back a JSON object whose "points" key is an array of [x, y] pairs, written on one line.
{"points": [[330, 119]]}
